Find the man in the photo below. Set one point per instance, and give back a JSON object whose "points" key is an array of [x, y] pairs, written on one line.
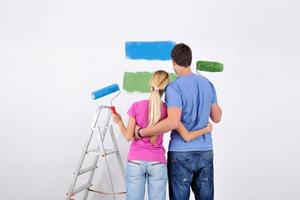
{"points": [[191, 99]]}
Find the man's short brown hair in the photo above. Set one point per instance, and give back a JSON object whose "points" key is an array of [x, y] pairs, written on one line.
{"points": [[182, 55]]}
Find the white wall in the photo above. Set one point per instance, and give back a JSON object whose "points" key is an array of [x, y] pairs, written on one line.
{"points": [[54, 53]]}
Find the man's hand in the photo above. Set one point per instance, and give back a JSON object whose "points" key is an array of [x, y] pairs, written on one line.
{"points": [[136, 136], [209, 127]]}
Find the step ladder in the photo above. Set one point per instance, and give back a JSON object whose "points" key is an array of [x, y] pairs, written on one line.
{"points": [[99, 151]]}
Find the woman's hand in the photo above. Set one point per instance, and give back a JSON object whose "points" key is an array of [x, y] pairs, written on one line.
{"points": [[117, 118], [209, 127], [153, 140]]}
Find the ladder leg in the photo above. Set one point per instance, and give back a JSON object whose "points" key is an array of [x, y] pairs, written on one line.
{"points": [[85, 196], [91, 176], [113, 138], [101, 144], [99, 136], [106, 124], [83, 154]]}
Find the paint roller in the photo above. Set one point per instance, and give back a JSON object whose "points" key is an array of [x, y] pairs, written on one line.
{"points": [[209, 66], [106, 91]]}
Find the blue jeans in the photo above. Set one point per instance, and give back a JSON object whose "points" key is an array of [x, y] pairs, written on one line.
{"points": [[138, 172], [191, 169]]}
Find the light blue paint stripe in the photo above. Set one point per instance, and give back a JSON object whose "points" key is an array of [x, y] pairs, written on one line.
{"points": [[160, 50]]}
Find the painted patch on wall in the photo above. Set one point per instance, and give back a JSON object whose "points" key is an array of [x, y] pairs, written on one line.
{"points": [[157, 50], [139, 81]]}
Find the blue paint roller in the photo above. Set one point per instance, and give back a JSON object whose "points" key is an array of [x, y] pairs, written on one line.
{"points": [[106, 91]]}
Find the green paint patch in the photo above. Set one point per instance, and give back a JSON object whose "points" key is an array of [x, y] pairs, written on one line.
{"points": [[209, 66], [139, 81]]}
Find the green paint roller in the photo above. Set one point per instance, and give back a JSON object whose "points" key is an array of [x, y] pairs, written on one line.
{"points": [[209, 66]]}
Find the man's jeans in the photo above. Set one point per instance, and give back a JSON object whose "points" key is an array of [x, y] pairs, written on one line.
{"points": [[138, 172], [191, 169]]}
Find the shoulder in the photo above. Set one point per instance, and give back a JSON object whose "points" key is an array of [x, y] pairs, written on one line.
{"points": [[200, 77], [208, 82], [138, 106], [173, 85], [204, 79], [141, 101]]}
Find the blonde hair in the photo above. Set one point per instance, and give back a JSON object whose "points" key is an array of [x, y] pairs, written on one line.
{"points": [[158, 82]]}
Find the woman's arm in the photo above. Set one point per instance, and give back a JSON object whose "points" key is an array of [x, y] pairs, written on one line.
{"points": [[188, 136], [128, 131]]}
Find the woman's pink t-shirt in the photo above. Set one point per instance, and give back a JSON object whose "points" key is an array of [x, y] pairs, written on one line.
{"points": [[143, 149]]}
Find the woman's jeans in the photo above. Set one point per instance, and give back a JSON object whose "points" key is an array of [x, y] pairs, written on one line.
{"points": [[138, 172], [191, 169]]}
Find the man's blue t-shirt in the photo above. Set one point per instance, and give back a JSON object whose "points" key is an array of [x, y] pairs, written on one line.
{"points": [[194, 94]]}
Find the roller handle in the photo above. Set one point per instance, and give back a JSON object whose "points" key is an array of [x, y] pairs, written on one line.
{"points": [[113, 109]]}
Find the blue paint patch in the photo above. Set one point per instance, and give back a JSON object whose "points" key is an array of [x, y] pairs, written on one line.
{"points": [[149, 50]]}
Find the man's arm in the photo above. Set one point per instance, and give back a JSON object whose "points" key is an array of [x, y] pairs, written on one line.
{"points": [[165, 125], [215, 113]]}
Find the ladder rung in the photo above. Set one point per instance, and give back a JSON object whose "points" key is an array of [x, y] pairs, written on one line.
{"points": [[93, 151], [77, 190], [107, 151], [70, 196], [85, 170], [106, 193]]}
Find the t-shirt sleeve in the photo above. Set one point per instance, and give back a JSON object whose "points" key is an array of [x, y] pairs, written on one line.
{"points": [[214, 98], [132, 110], [173, 98], [164, 113]]}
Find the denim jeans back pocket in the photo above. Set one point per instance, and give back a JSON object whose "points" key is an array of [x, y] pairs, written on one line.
{"points": [[180, 167], [134, 171], [134, 162], [179, 163], [156, 163]]}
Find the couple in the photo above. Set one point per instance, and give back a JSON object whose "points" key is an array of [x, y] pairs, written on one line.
{"points": [[189, 101]]}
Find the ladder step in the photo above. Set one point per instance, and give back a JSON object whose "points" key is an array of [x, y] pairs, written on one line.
{"points": [[85, 170], [106, 193], [70, 198], [97, 152], [77, 190], [109, 151]]}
